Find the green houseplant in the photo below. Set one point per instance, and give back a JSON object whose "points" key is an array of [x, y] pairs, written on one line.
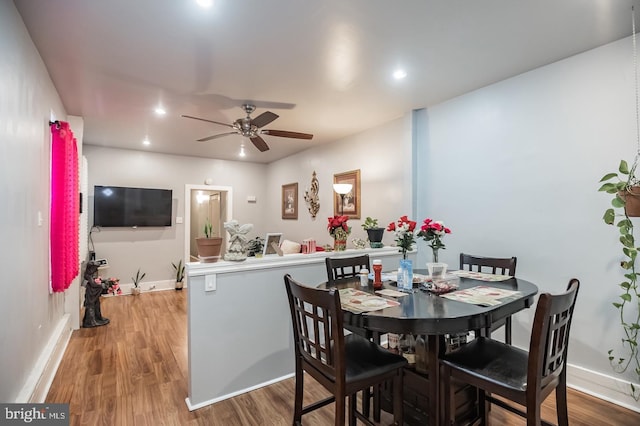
{"points": [[179, 270], [136, 282], [374, 232], [210, 246], [623, 185]]}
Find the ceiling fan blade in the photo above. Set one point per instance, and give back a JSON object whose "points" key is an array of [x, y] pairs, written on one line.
{"points": [[208, 121], [264, 119], [260, 143], [286, 134], [216, 136]]}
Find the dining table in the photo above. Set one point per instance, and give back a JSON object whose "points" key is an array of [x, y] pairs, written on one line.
{"points": [[437, 317]]}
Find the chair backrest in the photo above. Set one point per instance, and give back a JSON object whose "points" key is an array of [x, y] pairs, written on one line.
{"points": [[550, 336], [345, 267], [494, 265], [318, 334]]}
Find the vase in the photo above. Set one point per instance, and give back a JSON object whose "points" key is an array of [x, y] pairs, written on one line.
{"points": [[339, 244], [435, 255], [437, 270]]}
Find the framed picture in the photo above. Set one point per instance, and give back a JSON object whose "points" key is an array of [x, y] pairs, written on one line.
{"points": [[269, 240], [290, 201], [351, 201]]}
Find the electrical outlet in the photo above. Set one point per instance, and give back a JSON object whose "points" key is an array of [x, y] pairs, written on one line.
{"points": [[210, 282]]}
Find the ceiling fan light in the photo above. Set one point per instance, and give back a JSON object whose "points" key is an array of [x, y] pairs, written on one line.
{"points": [[205, 3], [399, 74]]}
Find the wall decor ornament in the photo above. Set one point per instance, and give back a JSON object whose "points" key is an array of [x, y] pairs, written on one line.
{"points": [[290, 201], [350, 201], [311, 196]]}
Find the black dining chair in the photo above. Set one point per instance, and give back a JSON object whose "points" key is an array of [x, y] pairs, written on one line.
{"points": [[492, 265], [526, 378], [339, 268], [344, 365]]}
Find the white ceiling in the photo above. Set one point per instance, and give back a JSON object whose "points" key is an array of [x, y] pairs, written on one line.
{"points": [[324, 66]]}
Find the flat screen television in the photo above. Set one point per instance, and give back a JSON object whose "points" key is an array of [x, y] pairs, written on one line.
{"points": [[116, 206]]}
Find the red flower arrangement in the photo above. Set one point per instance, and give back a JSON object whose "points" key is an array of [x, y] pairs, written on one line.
{"points": [[404, 232], [338, 226], [433, 231]]}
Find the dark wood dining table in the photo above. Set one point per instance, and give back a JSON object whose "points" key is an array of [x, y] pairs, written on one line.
{"points": [[428, 314]]}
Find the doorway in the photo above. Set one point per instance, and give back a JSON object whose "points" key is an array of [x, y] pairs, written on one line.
{"points": [[205, 203]]}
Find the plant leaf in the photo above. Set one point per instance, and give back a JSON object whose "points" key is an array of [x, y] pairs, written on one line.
{"points": [[609, 187], [626, 297], [609, 217], [624, 167], [617, 202], [608, 176]]}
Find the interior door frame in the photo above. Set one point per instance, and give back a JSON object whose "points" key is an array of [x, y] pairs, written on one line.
{"points": [[188, 188]]}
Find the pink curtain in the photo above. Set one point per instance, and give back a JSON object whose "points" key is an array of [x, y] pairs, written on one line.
{"points": [[65, 206]]}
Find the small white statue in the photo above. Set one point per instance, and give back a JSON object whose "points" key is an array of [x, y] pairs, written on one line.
{"points": [[238, 243]]}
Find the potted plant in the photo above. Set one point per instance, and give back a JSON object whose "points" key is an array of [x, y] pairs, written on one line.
{"points": [[374, 232], [179, 269], [136, 282], [624, 204], [209, 247], [256, 246]]}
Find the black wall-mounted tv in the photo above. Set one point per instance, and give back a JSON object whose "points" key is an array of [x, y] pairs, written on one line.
{"points": [[116, 206]]}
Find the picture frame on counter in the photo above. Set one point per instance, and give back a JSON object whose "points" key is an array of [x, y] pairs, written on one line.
{"points": [[271, 239]]}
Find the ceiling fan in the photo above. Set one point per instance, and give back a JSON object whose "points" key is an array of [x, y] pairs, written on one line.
{"points": [[252, 128]]}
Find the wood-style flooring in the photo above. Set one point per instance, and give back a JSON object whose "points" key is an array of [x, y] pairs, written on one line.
{"points": [[133, 371]]}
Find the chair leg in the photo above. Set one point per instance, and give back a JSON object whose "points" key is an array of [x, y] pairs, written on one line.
{"points": [[352, 410], [340, 407], [297, 405], [398, 399], [446, 394], [483, 407], [366, 401], [507, 331], [561, 401]]}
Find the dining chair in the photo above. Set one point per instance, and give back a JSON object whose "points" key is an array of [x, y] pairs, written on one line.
{"points": [[339, 268], [344, 365], [493, 265], [526, 378]]}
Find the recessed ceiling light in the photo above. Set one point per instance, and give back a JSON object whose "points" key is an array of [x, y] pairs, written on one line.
{"points": [[146, 141], [399, 74], [160, 111], [205, 3], [242, 153]]}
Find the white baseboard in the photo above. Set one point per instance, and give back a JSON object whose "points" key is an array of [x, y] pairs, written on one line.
{"points": [[147, 287], [39, 381], [192, 407], [605, 387]]}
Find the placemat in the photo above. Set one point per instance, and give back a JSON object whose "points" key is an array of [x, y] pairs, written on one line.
{"points": [[357, 301], [481, 276], [483, 295]]}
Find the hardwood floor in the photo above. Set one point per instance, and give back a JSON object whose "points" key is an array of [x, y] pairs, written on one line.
{"points": [[133, 371]]}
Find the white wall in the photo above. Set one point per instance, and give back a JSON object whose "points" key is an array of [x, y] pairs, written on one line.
{"points": [[513, 169], [382, 154], [30, 315], [153, 249]]}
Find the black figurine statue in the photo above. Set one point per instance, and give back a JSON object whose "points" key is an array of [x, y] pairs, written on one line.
{"points": [[92, 315]]}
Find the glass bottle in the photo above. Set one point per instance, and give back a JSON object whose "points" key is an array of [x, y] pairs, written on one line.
{"points": [[377, 271], [421, 355], [407, 348]]}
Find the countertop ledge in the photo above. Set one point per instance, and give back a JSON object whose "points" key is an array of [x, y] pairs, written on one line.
{"points": [[275, 261]]}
